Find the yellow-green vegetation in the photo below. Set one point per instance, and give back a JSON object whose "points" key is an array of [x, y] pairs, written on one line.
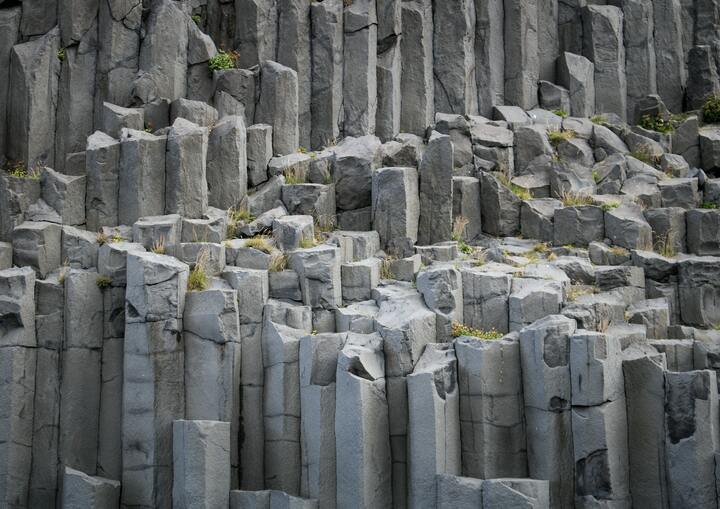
{"points": [[158, 246], [570, 199], [598, 119], [101, 238], [237, 216], [116, 237], [325, 223], [223, 60], [260, 242], [560, 113], [480, 259], [665, 246], [577, 291], [711, 110], [278, 262], [596, 176], [385, 268], [518, 191], [19, 170], [459, 225], [708, 205], [464, 247], [198, 279], [541, 248], [558, 136], [458, 329], [196, 18], [307, 242], [657, 123], [61, 54], [103, 282], [644, 154], [302, 150], [552, 257], [619, 251], [610, 205], [294, 177]]}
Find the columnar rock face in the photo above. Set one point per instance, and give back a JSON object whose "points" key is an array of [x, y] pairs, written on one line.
{"points": [[359, 254]]}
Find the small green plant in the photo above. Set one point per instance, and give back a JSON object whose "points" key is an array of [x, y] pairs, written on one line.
{"points": [[558, 136], [457, 329], [657, 123], [198, 279], [598, 119], [103, 282], [158, 246], [61, 55], [196, 18], [222, 61], [19, 170], [644, 154], [259, 242], [541, 248], [665, 246], [610, 205], [708, 205], [459, 225], [561, 113], [116, 237], [278, 262], [577, 291], [302, 150], [518, 191], [237, 216], [293, 177], [464, 247], [711, 110], [596, 176], [570, 199]]}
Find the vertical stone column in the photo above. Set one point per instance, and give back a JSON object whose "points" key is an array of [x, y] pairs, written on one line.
{"points": [[34, 75], [186, 191], [489, 54], [433, 424], [522, 62], [570, 25], [201, 464], [9, 32], [318, 370], [293, 51], [102, 159], [227, 176], [436, 191], [396, 208], [281, 406], [603, 45], [81, 371], [142, 176], [252, 291], [389, 69], [493, 442], [211, 334], [548, 38], [545, 361], [360, 61], [485, 299], [278, 105], [639, 28], [362, 440], [417, 82], [18, 357], [669, 54], [256, 31], [454, 57], [153, 376], [327, 71]]}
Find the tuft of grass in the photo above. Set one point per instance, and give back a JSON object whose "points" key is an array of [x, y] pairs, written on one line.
{"points": [[196, 18], [459, 225], [101, 238], [307, 242], [596, 176], [657, 123], [665, 246], [19, 170], [552, 257], [518, 191], [598, 119], [237, 216], [644, 154], [610, 205], [259, 242], [223, 60], [293, 177], [711, 110], [385, 270], [558, 136], [708, 205], [541, 248], [278, 262], [619, 251], [61, 54], [198, 279], [561, 113], [103, 282], [458, 329], [158, 246], [464, 247], [570, 199], [116, 238], [577, 291]]}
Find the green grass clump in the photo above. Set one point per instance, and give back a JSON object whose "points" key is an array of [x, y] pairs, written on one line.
{"points": [[103, 282], [711, 110], [518, 191], [19, 170], [223, 60], [293, 177], [237, 216], [158, 246], [196, 18], [560, 113], [307, 242], [657, 123], [645, 155], [708, 205], [458, 329], [610, 205], [558, 136], [278, 263], [598, 119], [464, 247], [665, 246], [198, 279], [541, 248], [61, 55], [260, 242]]}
